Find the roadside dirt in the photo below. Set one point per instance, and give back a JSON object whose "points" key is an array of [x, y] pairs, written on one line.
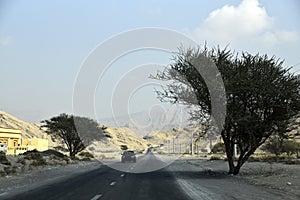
{"points": [[282, 178]]}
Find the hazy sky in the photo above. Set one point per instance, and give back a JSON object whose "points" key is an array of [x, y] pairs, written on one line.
{"points": [[44, 43]]}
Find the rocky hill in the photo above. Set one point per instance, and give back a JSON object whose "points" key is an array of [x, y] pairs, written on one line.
{"points": [[116, 136], [29, 130]]}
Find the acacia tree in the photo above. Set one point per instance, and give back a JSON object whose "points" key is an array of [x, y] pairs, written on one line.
{"points": [[261, 96], [74, 131]]}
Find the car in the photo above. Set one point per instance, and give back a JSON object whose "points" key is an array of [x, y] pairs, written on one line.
{"points": [[128, 156]]}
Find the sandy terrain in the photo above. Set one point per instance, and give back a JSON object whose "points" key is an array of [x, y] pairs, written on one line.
{"points": [[281, 177]]}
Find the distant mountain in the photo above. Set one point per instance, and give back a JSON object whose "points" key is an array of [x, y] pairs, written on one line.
{"points": [[144, 122], [29, 130], [116, 137]]}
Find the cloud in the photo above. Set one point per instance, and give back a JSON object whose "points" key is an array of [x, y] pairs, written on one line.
{"points": [[271, 39], [6, 41], [247, 22]]}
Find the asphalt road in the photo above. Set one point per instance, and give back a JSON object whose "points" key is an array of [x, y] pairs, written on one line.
{"points": [[178, 181], [107, 183]]}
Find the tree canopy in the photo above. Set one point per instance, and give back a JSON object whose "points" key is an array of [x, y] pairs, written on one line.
{"points": [[261, 95], [74, 131]]}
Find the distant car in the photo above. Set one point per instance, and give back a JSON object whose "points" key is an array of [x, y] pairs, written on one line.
{"points": [[128, 156]]}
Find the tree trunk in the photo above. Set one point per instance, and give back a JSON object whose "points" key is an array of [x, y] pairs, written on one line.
{"points": [[236, 169], [229, 155], [72, 155], [231, 165]]}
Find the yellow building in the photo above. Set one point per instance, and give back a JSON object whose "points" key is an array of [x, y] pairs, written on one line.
{"points": [[15, 145], [11, 137], [35, 143]]}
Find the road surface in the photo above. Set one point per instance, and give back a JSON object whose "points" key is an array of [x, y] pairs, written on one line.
{"points": [[177, 181]]}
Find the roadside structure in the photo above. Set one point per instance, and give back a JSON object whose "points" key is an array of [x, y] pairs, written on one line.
{"points": [[12, 143]]}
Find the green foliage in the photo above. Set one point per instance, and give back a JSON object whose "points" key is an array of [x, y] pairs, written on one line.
{"points": [[218, 148], [75, 132], [261, 95]]}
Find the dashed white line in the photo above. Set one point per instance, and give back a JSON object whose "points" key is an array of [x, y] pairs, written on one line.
{"points": [[4, 193], [113, 183], [98, 196]]}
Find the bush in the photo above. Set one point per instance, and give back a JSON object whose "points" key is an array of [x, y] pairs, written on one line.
{"points": [[123, 147], [216, 157], [291, 147], [218, 148], [277, 147], [36, 157], [3, 159], [268, 158], [86, 154], [85, 159], [59, 148], [51, 152]]}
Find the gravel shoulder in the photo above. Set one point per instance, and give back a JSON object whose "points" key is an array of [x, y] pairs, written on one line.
{"points": [[257, 180]]}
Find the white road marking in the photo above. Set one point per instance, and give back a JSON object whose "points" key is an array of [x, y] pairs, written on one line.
{"points": [[58, 177], [113, 183], [98, 196], [4, 193]]}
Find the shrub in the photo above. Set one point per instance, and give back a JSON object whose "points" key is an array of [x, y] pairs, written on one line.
{"points": [[215, 157], [123, 147], [291, 147], [3, 159], [268, 158], [22, 161], [36, 156], [51, 152], [292, 162], [2, 173], [86, 154], [39, 162], [85, 159], [277, 147], [10, 170], [218, 148]]}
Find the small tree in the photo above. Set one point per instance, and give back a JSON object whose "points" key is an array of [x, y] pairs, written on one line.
{"points": [[75, 132], [261, 95]]}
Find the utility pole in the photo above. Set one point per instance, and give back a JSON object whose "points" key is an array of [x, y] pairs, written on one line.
{"points": [[173, 145], [179, 148], [192, 145]]}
